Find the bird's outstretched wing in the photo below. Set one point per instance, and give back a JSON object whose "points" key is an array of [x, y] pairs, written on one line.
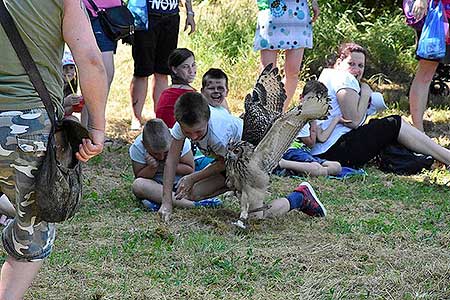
{"points": [[264, 105], [278, 139]]}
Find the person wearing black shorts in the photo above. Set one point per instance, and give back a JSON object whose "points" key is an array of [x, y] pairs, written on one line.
{"points": [[151, 50], [354, 144]]}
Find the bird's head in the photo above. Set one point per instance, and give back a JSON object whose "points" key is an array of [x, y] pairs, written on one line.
{"points": [[237, 149]]}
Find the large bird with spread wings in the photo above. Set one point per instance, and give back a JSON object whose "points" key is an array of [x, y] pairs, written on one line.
{"points": [[267, 134]]}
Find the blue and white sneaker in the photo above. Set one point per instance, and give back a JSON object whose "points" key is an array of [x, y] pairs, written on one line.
{"points": [[150, 205], [209, 202]]}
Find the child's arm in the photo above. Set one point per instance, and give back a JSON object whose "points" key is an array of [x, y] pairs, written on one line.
{"points": [[323, 135], [186, 165], [145, 171], [310, 140], [187, 182], [169, 175]]}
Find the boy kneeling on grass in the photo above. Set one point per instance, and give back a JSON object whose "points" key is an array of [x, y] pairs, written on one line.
{"points": [[148, 155], [211, 131]]}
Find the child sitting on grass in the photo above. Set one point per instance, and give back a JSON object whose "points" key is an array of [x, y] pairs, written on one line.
{"points": [[148, 155], [215, 89], [298, 158]]}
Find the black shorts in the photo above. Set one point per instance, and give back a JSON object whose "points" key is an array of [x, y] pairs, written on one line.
{"points": [[151, 48], [359, 146]]}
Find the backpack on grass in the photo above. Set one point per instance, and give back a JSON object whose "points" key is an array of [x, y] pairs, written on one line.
{"points": [[397, 159]]}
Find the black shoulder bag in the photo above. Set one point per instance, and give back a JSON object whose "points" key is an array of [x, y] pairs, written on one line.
{"points": [[398, 159], [58, 179], [117, 22]]}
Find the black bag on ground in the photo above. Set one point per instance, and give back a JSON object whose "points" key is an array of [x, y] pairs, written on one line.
{"points": [[58, 179], [397, 159], [117, 22]]}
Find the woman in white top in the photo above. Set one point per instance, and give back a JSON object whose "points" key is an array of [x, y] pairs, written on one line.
{"points": [[354, 144]]}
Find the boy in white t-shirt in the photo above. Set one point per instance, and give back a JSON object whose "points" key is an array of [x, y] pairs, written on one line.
{"points": [[210, 131], [298, 157], [148, 155]]}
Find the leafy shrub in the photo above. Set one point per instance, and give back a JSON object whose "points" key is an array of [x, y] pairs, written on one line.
{"points": [[225, 33]]}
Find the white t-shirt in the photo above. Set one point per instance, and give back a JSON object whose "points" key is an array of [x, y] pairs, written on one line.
{"points": [[305, 131], [219, 109], [222, 127], [334, 80], [137, 152]]}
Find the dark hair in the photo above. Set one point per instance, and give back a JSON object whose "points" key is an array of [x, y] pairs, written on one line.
{"points": [[176, 58], [316, 87], [214, 73], [344, 51], [191, 108]]}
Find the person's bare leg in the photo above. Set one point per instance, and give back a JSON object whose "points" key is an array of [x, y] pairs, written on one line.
{"points": [[159, 83], [292, 65], [418, 93], [277, 208], [16, 277], [209, 187], [148, 189], [332, 167], [307, 168], [419, 142], [138, 93], [267, 57], [108, 61]]}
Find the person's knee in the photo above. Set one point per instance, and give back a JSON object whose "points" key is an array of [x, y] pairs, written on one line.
{"points": [[317, 169], [332, 167], [425, 72], [138, 187]]}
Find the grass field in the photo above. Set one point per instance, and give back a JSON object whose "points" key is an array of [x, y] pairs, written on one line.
{"points": [[386, 236]]}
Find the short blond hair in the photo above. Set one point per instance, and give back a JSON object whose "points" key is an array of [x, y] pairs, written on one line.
{"points": [[156, 135]]}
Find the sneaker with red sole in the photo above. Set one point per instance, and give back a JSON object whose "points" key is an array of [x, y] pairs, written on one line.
{"points": [[311, 204]]}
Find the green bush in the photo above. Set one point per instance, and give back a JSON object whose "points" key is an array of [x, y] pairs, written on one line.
{"points": [[225, 33], [389, 41]]}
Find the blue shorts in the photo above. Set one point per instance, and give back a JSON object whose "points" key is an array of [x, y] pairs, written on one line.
{"points": [[160, 179], [104, 43], [302, 155]]}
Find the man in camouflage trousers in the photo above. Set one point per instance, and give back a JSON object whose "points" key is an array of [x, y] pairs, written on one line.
{"points": [[25, 126]]}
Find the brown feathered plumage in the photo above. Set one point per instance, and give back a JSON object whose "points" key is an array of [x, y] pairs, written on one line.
{"points": [[267, 135]]}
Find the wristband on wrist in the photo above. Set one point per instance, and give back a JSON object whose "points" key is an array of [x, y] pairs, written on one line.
{"points": [[190, 13]]}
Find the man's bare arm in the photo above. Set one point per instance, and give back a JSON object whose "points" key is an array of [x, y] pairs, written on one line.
{"points": [[77, 33]]}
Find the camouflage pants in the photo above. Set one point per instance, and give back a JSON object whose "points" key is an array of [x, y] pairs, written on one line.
{"points": [[23, 141]]}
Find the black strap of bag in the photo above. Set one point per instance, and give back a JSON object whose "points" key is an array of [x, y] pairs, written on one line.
{"points": [[27, 61], [94, 6]]}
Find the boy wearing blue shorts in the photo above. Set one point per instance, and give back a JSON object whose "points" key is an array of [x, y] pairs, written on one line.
{"points": [[298, 158]]}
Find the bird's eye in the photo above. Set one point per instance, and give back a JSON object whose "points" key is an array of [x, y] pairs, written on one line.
{"points": [[236, 151]]}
